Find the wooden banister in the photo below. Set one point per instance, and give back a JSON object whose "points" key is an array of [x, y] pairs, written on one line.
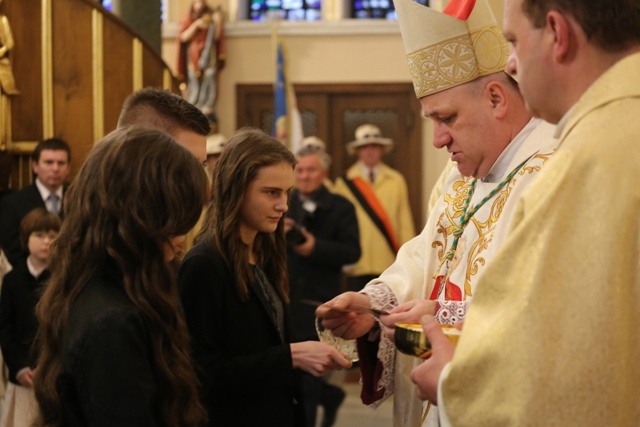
{"points": [[74, 64]]}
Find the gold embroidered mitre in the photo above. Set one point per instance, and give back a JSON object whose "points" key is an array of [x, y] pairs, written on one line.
{"points": [[451, 48]]}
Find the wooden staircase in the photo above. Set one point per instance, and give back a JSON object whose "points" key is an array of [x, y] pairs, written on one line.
{"points": [[74, 64]]}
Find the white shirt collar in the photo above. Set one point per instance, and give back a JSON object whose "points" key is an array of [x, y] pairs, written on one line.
{"points": [[44, 191], [499, 168], [366, 170], [35, 273]]}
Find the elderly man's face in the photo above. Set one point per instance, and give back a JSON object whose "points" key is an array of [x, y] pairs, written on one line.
{"points": [[309, 174], [464, 124]]}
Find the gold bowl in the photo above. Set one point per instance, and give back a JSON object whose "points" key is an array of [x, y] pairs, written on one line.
{"points": [[410, 338]]}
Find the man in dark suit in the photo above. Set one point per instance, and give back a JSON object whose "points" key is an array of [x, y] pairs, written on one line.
{"points": [[50, 163], [322, 237]]}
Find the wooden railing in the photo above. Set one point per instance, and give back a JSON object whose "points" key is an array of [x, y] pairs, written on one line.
{"points": [[74, 64]]}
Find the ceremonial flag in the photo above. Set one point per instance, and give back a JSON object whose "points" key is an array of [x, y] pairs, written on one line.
{"points": [[287, 126]]}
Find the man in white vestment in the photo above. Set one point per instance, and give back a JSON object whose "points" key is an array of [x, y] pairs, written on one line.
{"points": [[552, 337], [457, 59]]}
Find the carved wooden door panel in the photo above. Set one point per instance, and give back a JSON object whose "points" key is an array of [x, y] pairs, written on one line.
{"points": [[334, 111]]}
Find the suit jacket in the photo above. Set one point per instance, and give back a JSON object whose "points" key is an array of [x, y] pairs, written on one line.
{"points": [[108, 377], [318, 276], [18, 324], [244, 367], [13, 208]]}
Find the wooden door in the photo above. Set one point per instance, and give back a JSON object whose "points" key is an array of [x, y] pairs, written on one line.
{"points": [[333, 112]]}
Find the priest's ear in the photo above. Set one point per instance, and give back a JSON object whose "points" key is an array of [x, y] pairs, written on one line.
{"points": [[496, 93]]}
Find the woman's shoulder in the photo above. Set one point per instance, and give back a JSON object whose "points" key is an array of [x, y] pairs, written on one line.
{"points": [[204, 253], [203, 271], [101, 301], [101, 310]]}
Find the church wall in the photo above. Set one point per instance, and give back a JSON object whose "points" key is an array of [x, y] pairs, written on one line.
{"points": [[332, 51]]}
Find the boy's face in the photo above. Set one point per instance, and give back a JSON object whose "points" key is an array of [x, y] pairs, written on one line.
{"points": [[39, 243]]}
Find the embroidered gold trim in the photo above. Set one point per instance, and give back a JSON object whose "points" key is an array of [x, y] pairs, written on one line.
{"points": [[458, 60], [484, 223]]}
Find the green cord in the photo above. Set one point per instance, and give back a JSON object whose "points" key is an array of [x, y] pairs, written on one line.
{"points": [[467, 214]]}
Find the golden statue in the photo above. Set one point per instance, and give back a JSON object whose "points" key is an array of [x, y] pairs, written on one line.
{"points": [[7, 82]]}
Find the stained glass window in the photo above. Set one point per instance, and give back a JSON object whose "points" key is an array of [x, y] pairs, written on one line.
{"points": [[108, 4], [289, 10], [376, 9]]}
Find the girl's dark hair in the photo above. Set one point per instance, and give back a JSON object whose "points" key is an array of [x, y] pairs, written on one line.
{"points": [[137, 188], [243, 156], [38, 219]]}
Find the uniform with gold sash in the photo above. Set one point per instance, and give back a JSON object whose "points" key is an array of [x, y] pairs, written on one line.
{"points": [[390, 188]]}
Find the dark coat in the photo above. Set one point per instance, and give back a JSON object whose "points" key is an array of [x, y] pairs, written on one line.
{"points": [[13, 208], [18, 324], [108, 376], [318, 276], [245, 369]]}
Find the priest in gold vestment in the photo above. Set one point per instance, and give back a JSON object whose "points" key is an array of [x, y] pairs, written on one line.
{"points": [[552, 337]]}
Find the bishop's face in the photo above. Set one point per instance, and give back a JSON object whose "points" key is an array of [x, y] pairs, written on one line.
{"points": [[464, 124]]}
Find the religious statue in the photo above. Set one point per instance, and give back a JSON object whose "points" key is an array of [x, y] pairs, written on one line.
{"points": [[201, 55], [7, 82]]}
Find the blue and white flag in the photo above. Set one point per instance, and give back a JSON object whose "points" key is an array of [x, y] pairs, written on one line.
{"points": [[287, 126]]}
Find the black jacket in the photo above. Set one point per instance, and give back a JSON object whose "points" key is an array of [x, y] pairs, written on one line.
{"points": [[108, 376], [337, 242], [18, 324], [244, 367]]}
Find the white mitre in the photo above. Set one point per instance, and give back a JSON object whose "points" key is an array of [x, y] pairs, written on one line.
{"points": [[447, 49]]}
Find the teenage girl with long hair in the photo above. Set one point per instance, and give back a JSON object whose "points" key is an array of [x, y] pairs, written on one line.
{"points": [[114, 349], [234, 290]]}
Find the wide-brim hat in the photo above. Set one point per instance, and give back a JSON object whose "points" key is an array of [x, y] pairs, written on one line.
{"points": [[215, 144], [369, 134], [450, 48], [315, 142]]}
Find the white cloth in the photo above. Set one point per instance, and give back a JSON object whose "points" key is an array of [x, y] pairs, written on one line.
{"points": [[422, 260], [19, 407]]}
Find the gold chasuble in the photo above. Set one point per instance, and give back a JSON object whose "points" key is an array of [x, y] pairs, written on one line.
{"points": [[553, 335], [423, 270]]}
